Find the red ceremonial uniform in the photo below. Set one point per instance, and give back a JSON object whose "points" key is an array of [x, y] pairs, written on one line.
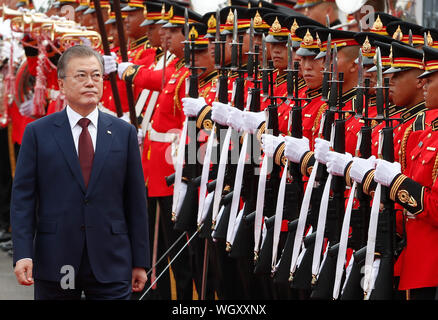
{"points": [[168, 118]]}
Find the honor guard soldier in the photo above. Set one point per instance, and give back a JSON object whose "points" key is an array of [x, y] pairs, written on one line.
{"points": [[162, 135], [414, 189]]}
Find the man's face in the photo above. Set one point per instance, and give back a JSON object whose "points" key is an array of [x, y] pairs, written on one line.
{"points": [[132, 23], [430, 91], [312, 71], [278, 55], [88, 21], [403, 87], [82, 94], [174, 41], [153, 34]]}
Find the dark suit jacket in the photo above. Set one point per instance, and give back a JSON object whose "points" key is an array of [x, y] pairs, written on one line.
{"points": [[53, 215]]}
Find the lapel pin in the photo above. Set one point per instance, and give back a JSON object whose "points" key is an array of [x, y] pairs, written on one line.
{"points": [[109, 132]]}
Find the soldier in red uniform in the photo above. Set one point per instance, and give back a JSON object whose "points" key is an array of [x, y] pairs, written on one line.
{"points": [[415, 190], [163, 133]]}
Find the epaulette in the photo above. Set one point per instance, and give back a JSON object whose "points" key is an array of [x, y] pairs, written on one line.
{"points": [[410, 113], [434, 124], [419, 123]]}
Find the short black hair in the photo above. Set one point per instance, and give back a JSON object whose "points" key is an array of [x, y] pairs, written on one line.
{"points": [[75, 52]]}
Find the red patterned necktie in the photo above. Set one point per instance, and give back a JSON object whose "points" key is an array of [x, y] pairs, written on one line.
{"points": [[86, 150]]}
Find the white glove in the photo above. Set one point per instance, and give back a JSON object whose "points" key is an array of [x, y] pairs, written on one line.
{"points": [[192, 106], [5, 49], [219, 112], [122, 67], [140, 136], [109, 63], [126, 117], [336, 162], [386, 172], [270, 143], [235, 119], [253, 120], [322, 147], [361, 166], [295, 148], [26, 108]]}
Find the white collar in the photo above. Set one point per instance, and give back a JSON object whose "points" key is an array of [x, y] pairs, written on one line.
{"points": [[74, 117]]}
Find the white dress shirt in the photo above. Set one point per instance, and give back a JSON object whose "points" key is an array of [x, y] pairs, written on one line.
{"points": [[76, 129]]}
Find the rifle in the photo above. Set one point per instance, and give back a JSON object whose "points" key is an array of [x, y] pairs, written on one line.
{"points": [[187, 219], [124, 53], [107, 51], [323, 286]]}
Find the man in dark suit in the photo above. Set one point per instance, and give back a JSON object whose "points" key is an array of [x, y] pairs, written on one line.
{"points": [[78, 198]]}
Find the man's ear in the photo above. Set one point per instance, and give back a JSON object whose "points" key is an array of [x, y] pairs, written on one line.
{"points": [[353, 67], [420, 83], [61, 85]]}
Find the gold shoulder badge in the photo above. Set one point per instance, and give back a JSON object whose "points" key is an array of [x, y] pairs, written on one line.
{"points": [[276, 26], [230, 18], [308, 39], [398, 34], [434, 125], [378, 25], [257, 19], [294, 27], [211, 22], [366, 46], [405, 197]]}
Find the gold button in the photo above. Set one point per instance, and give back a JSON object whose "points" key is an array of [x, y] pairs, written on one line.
{"points": [[412, 157], [429, 135], [422, 162]]}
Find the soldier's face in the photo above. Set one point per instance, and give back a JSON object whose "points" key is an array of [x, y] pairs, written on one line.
{"points": [[174, 41], [153, 33], [132, 23], [278, 55], [404, 86], [82, 95], [312, 71], [430, 91]]}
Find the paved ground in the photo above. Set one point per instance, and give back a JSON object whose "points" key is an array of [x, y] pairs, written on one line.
{"points": [[9, 288]]}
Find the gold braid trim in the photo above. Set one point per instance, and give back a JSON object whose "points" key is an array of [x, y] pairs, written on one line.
{"points": [[396, 185], [403, 147], [347, 175], [435, 169], [261, 131], [139, 53], [318, 116], [279, 153], [366, 185], [176, 99], [202, 115], [305, 161]]}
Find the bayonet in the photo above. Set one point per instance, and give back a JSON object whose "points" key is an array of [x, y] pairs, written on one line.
{"points": [[289, 70], [358, 107], [425, 39], [411, 42], [187, 40], [327, 72], [379, 86], [327, 21], [234, 44], [217, 48], [333, 98], [265, 80], [250, 65]]}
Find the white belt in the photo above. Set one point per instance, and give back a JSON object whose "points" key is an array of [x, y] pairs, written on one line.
{"points": [[162, 136]]}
